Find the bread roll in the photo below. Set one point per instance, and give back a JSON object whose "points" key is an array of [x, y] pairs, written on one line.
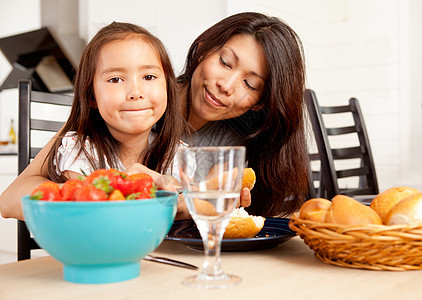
{"points": [[387, 199], [314, 209], [242, 225], [347, 211], [249, 178], [407, 211]]}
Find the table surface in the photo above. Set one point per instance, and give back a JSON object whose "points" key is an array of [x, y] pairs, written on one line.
{"points": [[289, 271]]}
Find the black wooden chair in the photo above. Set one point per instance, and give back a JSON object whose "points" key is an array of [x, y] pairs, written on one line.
{"points": [[332, 171], [26, 148], [321, 169]]}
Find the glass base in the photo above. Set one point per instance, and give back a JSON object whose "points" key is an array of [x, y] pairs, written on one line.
{"points": [[207, 282]]}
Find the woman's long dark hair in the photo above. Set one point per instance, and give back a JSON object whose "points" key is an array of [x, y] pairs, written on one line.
{"points": [[88, 124], [276, 146]]}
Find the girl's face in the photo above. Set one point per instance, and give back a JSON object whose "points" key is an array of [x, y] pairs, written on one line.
{"points": [[229, 82], [130, 88]]}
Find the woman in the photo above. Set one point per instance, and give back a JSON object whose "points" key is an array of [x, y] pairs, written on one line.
{"points": [[243, 84]]}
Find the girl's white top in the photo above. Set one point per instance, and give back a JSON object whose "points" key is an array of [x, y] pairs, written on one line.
{"points": [[68, 157]]}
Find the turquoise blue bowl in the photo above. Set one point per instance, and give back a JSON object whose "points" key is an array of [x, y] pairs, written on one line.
{"points": [[100, 242]]}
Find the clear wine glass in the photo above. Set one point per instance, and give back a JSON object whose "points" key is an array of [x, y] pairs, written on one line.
{"points": [[212, 177]]}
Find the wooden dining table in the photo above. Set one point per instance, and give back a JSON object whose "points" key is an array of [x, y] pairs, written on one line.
{"points": [[288, 271]]}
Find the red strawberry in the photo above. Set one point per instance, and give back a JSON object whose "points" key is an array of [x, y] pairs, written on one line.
{"points": [[125, 186], [89, 192], [97, 173], [69, 188], [116, 177], [106, 180], [142, 186], [48, 191]]}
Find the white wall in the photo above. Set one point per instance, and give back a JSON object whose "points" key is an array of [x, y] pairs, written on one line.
{"points": [[409, 98], [176, 23]]}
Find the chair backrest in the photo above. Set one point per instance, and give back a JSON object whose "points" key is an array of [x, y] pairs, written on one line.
{"points": [[26, 149], [323, 178], [336, 161]]}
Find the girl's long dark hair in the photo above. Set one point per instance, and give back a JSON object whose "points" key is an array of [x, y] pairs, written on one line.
{"points": [[276, 146], [88, 124]]}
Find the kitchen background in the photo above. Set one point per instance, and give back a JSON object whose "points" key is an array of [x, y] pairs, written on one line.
{"points": [[368, 49]]}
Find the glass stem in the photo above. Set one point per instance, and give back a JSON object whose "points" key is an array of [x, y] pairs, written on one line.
{"points": [[212, 247]]}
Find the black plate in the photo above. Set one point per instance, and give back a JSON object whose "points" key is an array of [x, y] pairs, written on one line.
{"points": [[274, 232]]}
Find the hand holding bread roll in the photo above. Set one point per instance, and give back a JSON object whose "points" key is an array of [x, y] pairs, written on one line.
{"points": [[248, 180], [242, 225], [348, 211], [386, 200]]}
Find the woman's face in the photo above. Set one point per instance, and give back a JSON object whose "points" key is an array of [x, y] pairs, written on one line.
{"points": [[229, 82], [130, 88]]}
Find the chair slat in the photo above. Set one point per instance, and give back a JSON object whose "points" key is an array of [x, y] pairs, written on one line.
{"points": [[34, 152], [56, 99], [341, 130], [348, 153], [361, 191], [313, 156], [334, 109], [45, 125], [353, 172]]}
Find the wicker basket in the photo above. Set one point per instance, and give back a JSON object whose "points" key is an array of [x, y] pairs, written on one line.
{"points": [[374, 247]]}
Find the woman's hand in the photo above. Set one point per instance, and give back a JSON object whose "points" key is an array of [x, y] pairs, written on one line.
{"points": [[245, 197]]}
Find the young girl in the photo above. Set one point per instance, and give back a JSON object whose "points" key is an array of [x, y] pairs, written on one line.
{"points": [[124, 86], [125, 112]]}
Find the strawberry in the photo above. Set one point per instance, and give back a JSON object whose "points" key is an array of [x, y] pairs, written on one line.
{"points": [[142, 186], [106, 180], [69, 187], [125, 186], [96, 174], [116, 177], [47, 191], [116, 195], [88, 192]]}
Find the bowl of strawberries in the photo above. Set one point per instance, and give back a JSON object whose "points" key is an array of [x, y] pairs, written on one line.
{"points": [[102, 226]]}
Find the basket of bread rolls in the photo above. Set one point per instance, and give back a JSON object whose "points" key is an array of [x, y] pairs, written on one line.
{"points": [[386, 235]]}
